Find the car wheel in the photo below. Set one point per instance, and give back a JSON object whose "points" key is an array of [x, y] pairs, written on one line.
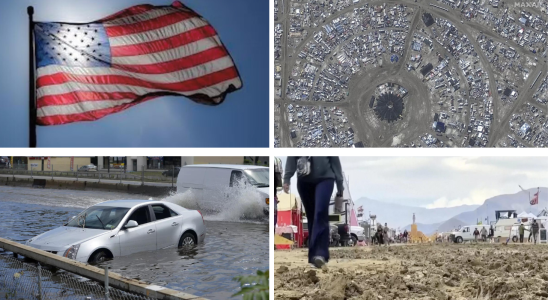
{"points": [[515, 239], [459, 240], [354, 241], [98, 257], [187, 240]]}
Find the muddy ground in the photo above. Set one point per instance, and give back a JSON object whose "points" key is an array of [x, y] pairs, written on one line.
{"points": [[440, 271]]}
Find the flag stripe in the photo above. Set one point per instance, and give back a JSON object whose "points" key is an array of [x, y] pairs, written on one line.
{"points": [[181, 39], [77, 96], [210, 90], [157, 34], [134, 10], [164, 72], [178, 64], [168, 55], [80, 107], [88, 116], [47, 111], [152, 24], [168, 81], [133, 19]]}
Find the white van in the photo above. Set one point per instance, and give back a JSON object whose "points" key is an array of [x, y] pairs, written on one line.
{"points": [[466, 233], [211, 184]]}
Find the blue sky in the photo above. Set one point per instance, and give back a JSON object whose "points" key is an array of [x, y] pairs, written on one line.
{"points": [[241, 121]]}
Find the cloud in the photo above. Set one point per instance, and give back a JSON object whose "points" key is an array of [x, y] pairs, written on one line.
{"points": [[434, 182], [476, 197]]}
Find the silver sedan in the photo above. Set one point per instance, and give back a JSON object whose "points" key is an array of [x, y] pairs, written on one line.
{"points": [[123, 227]]}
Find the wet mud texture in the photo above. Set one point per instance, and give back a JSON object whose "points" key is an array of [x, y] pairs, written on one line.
{"points": [[436, 272]]}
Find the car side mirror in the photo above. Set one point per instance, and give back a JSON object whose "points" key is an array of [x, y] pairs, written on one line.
{"points": [[131, 224]]}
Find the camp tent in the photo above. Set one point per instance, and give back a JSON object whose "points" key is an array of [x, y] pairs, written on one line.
{"points": [[290, 214]]}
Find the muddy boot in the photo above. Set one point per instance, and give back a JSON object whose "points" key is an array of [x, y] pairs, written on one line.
{"points": [[319, 262]]}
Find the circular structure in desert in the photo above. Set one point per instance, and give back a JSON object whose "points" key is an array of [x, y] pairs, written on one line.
{"points": [[389, 103]]}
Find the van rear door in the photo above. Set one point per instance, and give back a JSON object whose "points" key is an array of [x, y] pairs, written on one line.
{"points": [[216, 191], [191, 179]]}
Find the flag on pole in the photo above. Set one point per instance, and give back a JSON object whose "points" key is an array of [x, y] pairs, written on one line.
{"points": [[534, 201], [87, 71]]}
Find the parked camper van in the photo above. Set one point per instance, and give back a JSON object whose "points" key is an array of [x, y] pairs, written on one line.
{"points": [[466, 233], [211, 184]]}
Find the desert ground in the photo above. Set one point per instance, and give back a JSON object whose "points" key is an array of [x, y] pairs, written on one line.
{"points": [[425, 271]]}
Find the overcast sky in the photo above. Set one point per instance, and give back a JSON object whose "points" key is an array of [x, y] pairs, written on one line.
{"points": [[434, 182]]}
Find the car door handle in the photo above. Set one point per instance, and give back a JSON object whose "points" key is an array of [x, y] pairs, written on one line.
{"points": [[151, 231], [174, 224]]}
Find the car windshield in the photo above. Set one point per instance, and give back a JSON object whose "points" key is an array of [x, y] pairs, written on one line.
{"points": [[99, 217], [258, 177]]}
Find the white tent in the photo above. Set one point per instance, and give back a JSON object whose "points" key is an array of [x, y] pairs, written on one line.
{"points": [[523, 215], [526, 215]]}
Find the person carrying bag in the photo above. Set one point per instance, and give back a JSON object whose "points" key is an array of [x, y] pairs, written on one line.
{"points": [[316, 178]]}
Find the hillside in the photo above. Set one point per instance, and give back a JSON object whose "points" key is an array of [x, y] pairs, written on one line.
{"points": [[400, 215], [518, 201]]}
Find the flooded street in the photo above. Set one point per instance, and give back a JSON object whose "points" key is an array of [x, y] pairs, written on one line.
{"points": [[232, 247]]}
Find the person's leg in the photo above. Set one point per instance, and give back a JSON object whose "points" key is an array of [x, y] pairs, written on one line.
{"points": [[521, 238], [535, 237], [320, 234], [307, 192]]}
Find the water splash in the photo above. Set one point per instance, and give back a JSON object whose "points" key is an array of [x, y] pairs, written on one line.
{"points": [[242, 204]]}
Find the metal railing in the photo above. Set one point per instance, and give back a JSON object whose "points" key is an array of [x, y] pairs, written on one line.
{"points": [[167, 176], [20, 280]]}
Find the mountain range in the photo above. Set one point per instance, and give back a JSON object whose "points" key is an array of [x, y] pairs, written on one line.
{"points": [[446, 219], [397, 215]]}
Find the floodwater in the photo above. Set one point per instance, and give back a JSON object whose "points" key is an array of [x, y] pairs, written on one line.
{"points": [[233, 247]]}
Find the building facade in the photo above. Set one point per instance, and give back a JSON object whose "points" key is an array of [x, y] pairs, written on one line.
{"points": [[51, 163], [128, 163], [161, 163]]}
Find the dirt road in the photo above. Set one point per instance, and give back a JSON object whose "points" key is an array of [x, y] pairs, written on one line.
{"points": [[442, 271]]}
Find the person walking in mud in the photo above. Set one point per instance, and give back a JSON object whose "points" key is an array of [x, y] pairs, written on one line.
{"points": [[277, 183], [535, 230], [316, 178], [405, 235], [491, 234], [476, 235], [385, 234], [379, 234], [484, 234], [521, 230]]}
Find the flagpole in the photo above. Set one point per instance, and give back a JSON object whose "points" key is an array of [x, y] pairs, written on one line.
{"points": [[32, 89]]}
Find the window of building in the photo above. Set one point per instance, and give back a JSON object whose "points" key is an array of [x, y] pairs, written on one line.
{"points": [[155, 162]]}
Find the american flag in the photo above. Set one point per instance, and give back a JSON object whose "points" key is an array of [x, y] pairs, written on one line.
{"points": [[88, 71], [534, 201]]}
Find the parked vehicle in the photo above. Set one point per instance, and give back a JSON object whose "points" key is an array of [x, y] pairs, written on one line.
{"points": [[121, 227], [357, 233], [466, 233], [4, 162], [334, 237], [173, 172], [87, 168], [210, 183]]}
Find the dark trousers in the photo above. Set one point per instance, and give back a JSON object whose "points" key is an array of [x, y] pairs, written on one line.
{"points": [[315, 198], [380, 238], [521, 238]]}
